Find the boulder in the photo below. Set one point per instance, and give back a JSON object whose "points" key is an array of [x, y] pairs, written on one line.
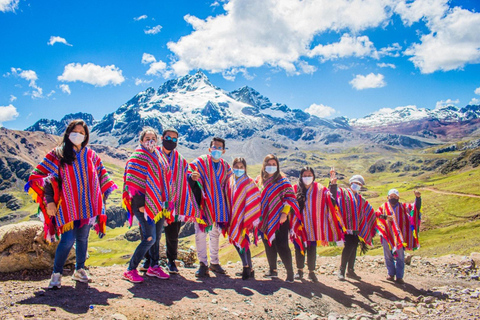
{"points": [[22, 247], [475, 257], [133, 235], [116, 217], [186, 230]]}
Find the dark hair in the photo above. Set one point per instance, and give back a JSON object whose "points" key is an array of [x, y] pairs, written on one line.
{"points": [[64, 151], [263, 174], [302, 189], [219, 140], [240, 160], [146, 130], [169, 130]]}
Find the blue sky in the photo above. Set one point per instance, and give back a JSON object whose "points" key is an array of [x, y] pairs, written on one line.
{"points": [[332, 58]]}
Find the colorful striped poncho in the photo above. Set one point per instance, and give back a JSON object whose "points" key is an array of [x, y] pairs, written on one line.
{"points": [[403, 230], [148, 174], [186, 208], [276, 195], [79, 190], [321, 220], [213, 182], [358, 215], [243, 200]]}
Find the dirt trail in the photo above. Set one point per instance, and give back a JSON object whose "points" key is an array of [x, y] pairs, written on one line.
{"points": [[228, 297], [451, 193]]}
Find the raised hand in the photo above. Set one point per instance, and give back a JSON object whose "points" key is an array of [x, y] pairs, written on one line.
{"points": [[333, 176]]}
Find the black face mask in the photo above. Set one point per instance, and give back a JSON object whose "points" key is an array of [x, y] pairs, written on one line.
{"points": [[393, 201], [169, 144]]}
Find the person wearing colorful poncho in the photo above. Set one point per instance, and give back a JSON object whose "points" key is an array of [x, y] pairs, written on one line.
{"points": [[243, 200], [277, 203], [209, 177], [358, 219], [398, 225], [71, 186], [321, 222], [185, 206], [147, 196]]}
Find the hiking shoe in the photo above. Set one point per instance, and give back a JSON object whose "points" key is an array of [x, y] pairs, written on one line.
{"points": [[391, 278], [217, 268], [299, 275], [132, 276], [55, 281], [81, 275], [246, 273], [312, 277], [341, 276], [158, 272], [172, 268], [271, 274], [202, 271], [400, 281], [353, 275]]}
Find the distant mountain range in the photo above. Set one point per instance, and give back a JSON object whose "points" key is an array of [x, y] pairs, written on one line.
{"points": [[251, 122]]}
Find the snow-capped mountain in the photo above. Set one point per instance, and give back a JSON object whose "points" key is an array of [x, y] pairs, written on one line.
{"points": [[199, 111], [58, 127], [400, 115]]}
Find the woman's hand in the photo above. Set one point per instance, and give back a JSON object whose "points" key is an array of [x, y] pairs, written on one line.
{"points": [[51, 209], [195, 176], [141, 209], [417, 193], [283, 218], [389, 218], [333, 176]]}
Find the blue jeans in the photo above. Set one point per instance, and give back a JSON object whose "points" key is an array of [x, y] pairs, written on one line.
{"points": [[151, 234], [395, 265], [78, 235]]}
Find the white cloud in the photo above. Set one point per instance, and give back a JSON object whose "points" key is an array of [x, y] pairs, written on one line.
{"points": [[453, 41], [92, 74], [153, 30], [139, 81], [320, 110], [8, 113], [55, 39], [12, 98], [369, 81], [157, 68], [347, 47], [65, 88], [386, 65], [231, 74], [142, 17], [413, 11], [8, 5], [445, 103], [477, 91], [51, 94], [474, 102], [30, 76], [391, 51], [276, 33]]}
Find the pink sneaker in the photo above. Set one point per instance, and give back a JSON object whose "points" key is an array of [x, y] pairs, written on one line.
{"points": [[157, 272], [132, 276]]}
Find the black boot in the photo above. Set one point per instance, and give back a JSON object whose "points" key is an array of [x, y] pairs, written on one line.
{"points": [[246, 273], [202, 271]]}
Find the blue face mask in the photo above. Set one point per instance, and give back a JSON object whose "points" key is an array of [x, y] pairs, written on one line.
{"points": [[270, 169], [355, 187], [239, 172], [216, 154]]}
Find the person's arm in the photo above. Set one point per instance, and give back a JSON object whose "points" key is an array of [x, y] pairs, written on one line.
{"points": [[333, 191], [49, 197]]}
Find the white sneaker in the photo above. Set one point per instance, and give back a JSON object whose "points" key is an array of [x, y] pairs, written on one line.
{"points": [[55, 281], [81, 275]]}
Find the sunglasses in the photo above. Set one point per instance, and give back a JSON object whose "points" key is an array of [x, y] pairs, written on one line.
{"points": [[168, 138]]}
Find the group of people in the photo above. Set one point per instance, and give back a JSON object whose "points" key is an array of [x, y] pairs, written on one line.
{"points": [[162, 190]]}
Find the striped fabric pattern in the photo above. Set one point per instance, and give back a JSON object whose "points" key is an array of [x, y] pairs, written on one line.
{"points": [[275, 195], [185, 207], [319, 217], [148, 174], [214, 206], [243, 200], [403, 230], [84, 184], [353, 207]]}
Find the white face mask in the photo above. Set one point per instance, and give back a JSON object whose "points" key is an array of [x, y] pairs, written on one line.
{"points": [[355, 187], [76, 138], [271, 169], [307, 180]]}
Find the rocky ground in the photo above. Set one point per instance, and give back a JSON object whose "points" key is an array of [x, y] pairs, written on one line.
{"points": [[436, 288]]}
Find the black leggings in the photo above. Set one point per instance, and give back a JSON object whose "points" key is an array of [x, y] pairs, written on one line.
{"points": [[171, 238], [246, 256], [280, 246], [311, 254], [349, 253]]}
